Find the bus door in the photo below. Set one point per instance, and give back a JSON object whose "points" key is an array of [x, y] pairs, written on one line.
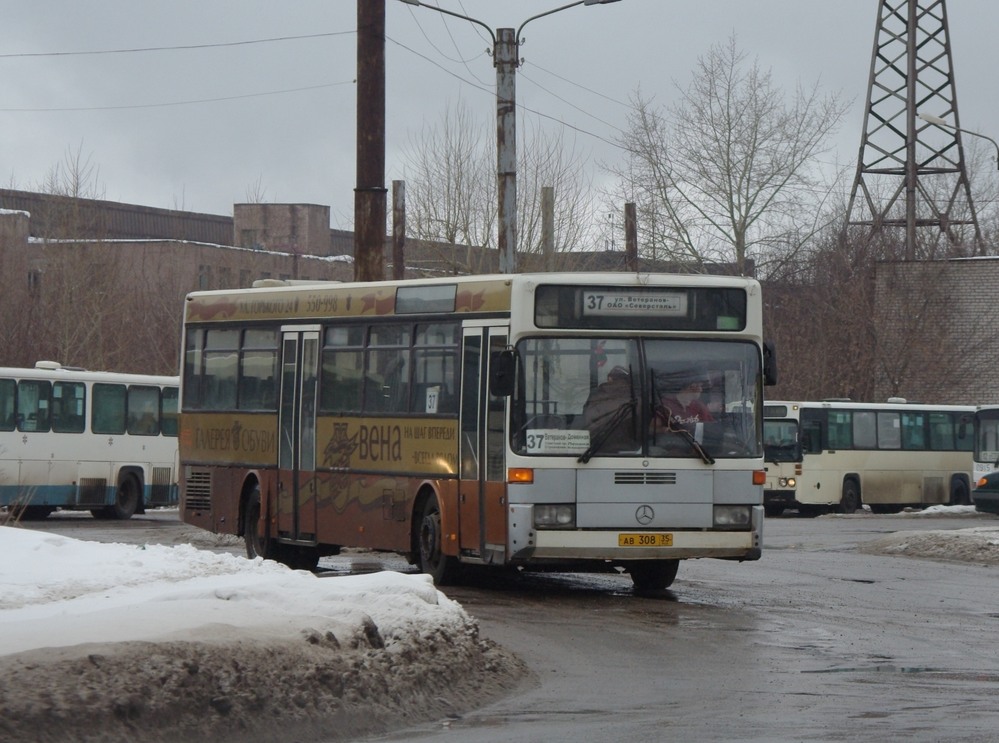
{"points": [[296, 497], [482, 484]]}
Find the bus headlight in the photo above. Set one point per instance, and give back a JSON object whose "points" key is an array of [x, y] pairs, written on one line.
{"points": [[733, 517], [786, 482], [560, 516]]}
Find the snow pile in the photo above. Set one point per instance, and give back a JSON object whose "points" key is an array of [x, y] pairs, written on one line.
{"points": [[146, 643], [975, 545]]}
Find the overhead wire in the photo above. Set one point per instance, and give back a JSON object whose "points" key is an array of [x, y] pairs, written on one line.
{"points": [[475, 83], [178, 103], [176, 47]]}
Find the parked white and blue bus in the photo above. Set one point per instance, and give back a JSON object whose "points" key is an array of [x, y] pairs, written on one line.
{"points": [[81, 440]]}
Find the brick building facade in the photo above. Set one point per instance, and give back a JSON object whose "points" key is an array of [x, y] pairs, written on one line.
{"points": [[937, 326]]}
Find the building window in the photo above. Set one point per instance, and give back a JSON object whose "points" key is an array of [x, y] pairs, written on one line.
{"points": [[204, 277], [34, 281]]}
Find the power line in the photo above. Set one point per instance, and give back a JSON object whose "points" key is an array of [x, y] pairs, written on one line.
{"points": [[522, 107], [178, 47], [177, 103]]}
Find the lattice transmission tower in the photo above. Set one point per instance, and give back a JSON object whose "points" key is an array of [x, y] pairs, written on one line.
{"points": [[911, 174]]}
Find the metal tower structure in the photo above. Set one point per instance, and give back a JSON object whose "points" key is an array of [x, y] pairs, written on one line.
{"points": [[911, 174]]}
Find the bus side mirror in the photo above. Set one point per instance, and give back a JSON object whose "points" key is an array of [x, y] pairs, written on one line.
{"points": [[502, 366], [769, 363]]}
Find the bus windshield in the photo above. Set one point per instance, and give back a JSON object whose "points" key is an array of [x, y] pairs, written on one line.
{"points": [[987, 438], [627, 396], [780, 441]]}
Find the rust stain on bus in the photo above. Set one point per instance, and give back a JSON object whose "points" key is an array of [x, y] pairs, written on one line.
{"points": [[328, 302]]}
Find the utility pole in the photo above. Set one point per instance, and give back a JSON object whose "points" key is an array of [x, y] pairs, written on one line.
{"points": [[506, 59], [369, 194]]}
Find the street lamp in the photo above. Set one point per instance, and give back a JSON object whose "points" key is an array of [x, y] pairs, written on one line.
{"points": [[506, 59], [931, 119]]}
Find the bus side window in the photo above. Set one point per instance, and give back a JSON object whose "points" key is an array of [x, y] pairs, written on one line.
{"points": [[68, 399], [33, 405], [7, 415]]}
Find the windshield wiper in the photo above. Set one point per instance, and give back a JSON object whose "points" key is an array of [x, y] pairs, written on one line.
{"points": [[607, 428]]}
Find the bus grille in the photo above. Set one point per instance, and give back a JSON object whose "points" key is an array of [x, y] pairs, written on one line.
{"points": [[93, 491], [645, 478], [159, 493], [198, 490]]}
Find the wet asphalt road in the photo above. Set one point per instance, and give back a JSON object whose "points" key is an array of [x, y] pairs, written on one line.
{"points": [[814, 642]]}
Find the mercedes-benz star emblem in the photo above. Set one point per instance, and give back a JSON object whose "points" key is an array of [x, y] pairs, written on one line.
{"points": [[644, 515]]}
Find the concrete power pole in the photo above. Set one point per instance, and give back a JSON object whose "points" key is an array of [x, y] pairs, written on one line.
{"points": [[369, 194]]}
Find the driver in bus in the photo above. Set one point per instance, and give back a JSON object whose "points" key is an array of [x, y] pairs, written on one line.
{"points": [[685, 406], [610, 412]]}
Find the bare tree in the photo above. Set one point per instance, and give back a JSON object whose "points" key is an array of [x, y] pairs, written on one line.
{"points": [[728, 173], [256, 193], [451, 193], [75, 175]]}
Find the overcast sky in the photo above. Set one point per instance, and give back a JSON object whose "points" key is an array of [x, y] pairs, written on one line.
{"points": [[207, 121]]}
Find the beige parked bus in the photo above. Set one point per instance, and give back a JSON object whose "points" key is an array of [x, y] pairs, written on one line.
{"points": [[838, 456], [466, 420]]}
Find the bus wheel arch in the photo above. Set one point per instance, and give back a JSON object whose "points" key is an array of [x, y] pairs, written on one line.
{"points": [[850, 500], [960, 491], [428, 539]]}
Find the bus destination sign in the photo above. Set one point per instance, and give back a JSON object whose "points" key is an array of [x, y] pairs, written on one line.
{"points": [[621, 303]]}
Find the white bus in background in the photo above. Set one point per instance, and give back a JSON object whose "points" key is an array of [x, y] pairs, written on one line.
{"points": [[82, 440], [986, 429], [836, 456]]}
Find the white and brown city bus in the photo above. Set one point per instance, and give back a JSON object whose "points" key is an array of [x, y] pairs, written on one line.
{"points": [[447, 420]]}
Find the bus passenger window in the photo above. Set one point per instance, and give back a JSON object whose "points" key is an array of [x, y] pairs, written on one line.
{"points": [[33, 405], [108, 413], [68, 407], [7, 415], [143, 411]]}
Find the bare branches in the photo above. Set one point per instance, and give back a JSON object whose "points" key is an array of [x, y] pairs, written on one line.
{"points": [[451, 193], [725, 173]]}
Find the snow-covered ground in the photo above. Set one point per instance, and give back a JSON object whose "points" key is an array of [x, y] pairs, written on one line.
{"points": [[134, 643], [121, 642]]}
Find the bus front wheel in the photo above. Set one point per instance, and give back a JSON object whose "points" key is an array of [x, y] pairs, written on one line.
{"points": [[430, 539], [653, 575], [959, 493], [850, 501]]}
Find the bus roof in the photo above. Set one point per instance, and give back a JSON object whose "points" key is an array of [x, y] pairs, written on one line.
{"points": [[53, 370]]}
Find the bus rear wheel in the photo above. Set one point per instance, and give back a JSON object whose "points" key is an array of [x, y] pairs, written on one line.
{"points": [[653, 575], [430, 540], [254, 537], [126, 501]]}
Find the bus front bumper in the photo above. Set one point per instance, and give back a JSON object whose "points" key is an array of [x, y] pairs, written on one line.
{"points": [[618, 545]]}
